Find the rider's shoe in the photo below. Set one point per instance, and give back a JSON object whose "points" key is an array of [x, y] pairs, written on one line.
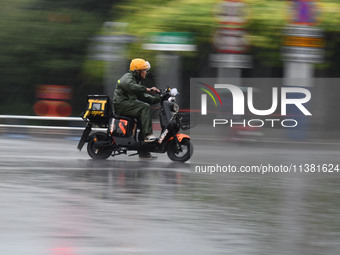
{"points": [[150, 138], [146, 155]]}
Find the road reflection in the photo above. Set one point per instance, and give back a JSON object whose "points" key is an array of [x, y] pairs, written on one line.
{"points": [[132, 211], [55, 201]]}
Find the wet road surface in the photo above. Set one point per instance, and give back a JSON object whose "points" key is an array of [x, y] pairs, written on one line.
{"points": [[55, 200]]}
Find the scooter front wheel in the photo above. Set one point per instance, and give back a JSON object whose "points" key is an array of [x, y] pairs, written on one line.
{"points": [[181, 154], [97, 153]]}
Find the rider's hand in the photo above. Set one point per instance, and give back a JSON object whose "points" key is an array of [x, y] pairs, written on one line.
{"points": [[153, 90]]}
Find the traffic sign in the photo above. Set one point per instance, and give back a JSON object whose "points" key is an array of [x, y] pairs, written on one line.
{"points": [[298, 41], [303, 44], [228, 40], [302, 54], [170, 41], [304, 12], [230, 12], [230, 60]]}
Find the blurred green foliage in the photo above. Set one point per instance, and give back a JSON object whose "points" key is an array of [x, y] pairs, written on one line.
{"points": [[46, 41], [265, 24]]}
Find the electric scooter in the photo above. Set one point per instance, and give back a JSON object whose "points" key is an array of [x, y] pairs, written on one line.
{"points": [[122, 132]]}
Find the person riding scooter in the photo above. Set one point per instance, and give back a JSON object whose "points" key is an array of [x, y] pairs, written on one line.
{"points": [[132, 100]]}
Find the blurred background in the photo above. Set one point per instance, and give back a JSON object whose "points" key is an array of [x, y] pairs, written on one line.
{"points": [[54, 50], [55, 53]]}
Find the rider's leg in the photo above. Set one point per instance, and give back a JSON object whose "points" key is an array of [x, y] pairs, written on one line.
{"points": [[139, 110]]}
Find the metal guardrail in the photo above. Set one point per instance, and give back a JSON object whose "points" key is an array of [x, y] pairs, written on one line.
{"points": [[39, 117], [47, 118], [43, 118]]}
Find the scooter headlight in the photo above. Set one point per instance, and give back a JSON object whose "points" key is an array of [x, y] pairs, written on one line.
{"points": [[172, 99]]}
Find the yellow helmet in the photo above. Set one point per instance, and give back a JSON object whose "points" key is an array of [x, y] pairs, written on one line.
{"points": [[139, 64]]}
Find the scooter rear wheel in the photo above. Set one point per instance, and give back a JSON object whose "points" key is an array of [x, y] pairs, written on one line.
{"points": [[94, 152], [186, 150]]}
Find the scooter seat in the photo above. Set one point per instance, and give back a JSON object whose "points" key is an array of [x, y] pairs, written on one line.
{"points": [[116, 116]]}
